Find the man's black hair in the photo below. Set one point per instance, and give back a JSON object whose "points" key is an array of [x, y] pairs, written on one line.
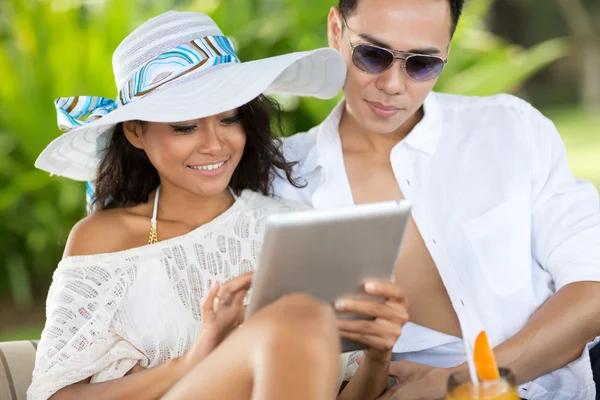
{"points": [[348, 8]]}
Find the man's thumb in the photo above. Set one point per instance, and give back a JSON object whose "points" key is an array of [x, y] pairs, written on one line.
{"points": [[397, 368], [360, 358]]}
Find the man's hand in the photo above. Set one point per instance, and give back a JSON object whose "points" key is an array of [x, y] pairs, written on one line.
{"points": [[416, 382], [381, 333]]}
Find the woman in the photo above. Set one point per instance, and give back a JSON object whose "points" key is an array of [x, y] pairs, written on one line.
{"points": [[136, 308]]}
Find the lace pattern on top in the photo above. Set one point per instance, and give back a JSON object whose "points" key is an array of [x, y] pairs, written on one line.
{"points": [[106, 313]]}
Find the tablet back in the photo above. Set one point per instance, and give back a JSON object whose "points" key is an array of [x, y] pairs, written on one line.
{"points": [[329, 254]]}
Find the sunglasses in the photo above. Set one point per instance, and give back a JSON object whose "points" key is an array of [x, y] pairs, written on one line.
{"points": [[375, 60]]}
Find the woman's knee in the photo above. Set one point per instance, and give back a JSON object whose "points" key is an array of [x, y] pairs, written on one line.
{"points": [[300, 318], [305, 312]]}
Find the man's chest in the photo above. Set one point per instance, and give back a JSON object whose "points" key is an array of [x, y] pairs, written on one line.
{"points": [[416, 272], [371, 180]]}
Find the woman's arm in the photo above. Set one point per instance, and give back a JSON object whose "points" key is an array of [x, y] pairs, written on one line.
{"points": [[219, 320], [370, 379], [150, 383]]}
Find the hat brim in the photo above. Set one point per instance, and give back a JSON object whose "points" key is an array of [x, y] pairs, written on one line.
{"points": [[319, 73]]}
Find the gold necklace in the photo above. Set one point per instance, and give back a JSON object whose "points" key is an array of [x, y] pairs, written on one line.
{"points": [[153, 238], [153, 233]]}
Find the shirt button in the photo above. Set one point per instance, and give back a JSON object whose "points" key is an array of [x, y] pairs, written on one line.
{"points": [[434, 242], [408, 181]]}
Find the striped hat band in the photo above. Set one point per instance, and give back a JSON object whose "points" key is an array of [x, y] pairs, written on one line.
{"points": [[179, 66], [197, 55]]}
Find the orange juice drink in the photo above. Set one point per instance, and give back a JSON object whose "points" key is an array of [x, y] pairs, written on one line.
{"points": [[460, 387]]}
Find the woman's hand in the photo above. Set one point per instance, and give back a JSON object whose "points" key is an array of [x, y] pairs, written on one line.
{"points": [[222, 312], [380, 334]]}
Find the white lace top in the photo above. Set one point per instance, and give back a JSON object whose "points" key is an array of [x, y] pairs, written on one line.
{"points": [[107, 312]]}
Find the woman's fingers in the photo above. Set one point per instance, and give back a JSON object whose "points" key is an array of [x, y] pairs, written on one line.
{"points": [[238, 297], [230, 288], [238, 303], [209, 306], [229, 301]]}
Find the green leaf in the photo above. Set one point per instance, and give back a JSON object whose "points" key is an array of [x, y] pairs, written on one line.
{"points": [[500, 75]]}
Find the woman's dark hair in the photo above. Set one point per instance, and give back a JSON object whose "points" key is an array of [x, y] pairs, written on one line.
{"points": [[126, 177]]}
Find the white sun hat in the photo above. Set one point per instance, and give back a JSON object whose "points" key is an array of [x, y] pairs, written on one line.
{"points": [[178, 66]]}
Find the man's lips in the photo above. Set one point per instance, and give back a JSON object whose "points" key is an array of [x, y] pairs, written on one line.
{"points": [[382, 110]]}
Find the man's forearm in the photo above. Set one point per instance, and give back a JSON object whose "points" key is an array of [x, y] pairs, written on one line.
{"points": [[556, 334]]}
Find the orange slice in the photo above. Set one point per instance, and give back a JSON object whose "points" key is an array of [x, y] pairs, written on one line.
{"points": [[485, 362]]}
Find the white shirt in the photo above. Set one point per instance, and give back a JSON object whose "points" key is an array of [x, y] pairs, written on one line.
{"points": [[109, 312], [504, 219]]}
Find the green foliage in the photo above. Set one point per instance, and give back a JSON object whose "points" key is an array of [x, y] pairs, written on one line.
{"points": [[50, 48], [45, 52], [483, 64]]}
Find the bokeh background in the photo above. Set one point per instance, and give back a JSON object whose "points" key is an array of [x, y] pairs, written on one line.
{"points": [[545, 51]]}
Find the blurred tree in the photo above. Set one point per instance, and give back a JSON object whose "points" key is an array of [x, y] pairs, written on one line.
{"points": [[573, 79], [482, 63], [587, 51]]}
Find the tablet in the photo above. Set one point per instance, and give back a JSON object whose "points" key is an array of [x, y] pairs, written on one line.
{"points": [[329, 254]]}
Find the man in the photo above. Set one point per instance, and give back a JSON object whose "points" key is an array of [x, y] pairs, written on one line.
{"points": [[503, 237]]}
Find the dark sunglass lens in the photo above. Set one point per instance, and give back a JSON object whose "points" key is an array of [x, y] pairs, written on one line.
{"points": [[424, 68], [370, 59]]}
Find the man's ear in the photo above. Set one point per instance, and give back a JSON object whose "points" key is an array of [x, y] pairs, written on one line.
{"points": [[133, 132], [334, 28]]}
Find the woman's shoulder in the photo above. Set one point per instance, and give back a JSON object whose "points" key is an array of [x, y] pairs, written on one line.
{"points": [[107, 231]]}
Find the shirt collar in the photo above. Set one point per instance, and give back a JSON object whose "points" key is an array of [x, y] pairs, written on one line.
{"points": [[424, 136], [327, 134]]}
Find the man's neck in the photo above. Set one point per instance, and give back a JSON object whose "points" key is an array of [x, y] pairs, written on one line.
{"points": [[355, 138]]}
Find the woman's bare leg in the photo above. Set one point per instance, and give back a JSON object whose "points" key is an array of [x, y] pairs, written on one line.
{"points": [[288, 350]]}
